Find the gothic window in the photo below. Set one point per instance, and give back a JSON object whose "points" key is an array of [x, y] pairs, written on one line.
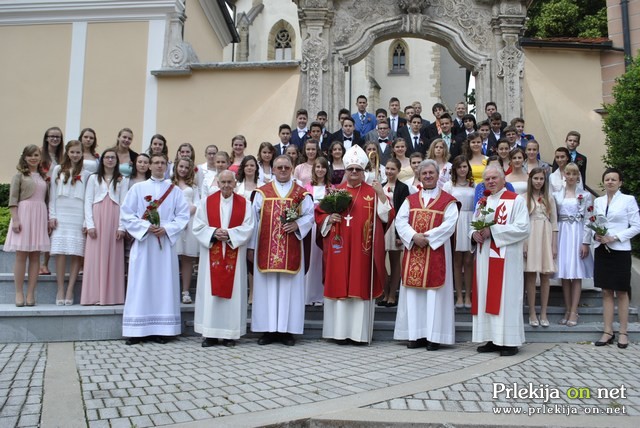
{"points": [[281, 42], [283, 45], [398, 58]]}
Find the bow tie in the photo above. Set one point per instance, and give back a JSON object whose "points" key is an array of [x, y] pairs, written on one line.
{"points": [[347, 138], [383, 140]]}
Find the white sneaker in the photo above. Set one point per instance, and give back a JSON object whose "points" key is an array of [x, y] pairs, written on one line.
{"points": [[186, 297]]}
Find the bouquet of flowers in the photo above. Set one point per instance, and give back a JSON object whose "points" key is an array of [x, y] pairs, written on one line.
{"points": [[482, 212], [335, 202], [151, 214], [291, 214], [597, 224]]}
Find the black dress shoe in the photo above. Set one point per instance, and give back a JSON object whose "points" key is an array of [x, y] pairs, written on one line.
{"points": [[160, 339], [209, 341], [489, 347], [133, 341], [266, 339], [356, 343], [433, 346], [414, 344], [508, 351], [612, 336], [341, 342], [229, 343], [287, 339]]}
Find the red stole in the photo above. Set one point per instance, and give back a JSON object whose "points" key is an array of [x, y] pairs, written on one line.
{"points": [[278, 251], [347, 249], [495, 277], [425, 267], [222, 268]]}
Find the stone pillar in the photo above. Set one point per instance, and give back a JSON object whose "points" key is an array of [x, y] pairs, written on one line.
{"points": [[315, 18], [510, 59], [178, 54]]}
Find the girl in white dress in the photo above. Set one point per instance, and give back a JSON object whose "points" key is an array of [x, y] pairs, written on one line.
{"points": [[66, 216], [89, 154], [462, 187], [541, 249], [369, 173], [248, 181], [574, 258], [266, 153], [222, 162], [414, 183], [320, 183], [158, 145], [52, 151], [518, 176], [187, 245], [439, 152], [186, 150]]}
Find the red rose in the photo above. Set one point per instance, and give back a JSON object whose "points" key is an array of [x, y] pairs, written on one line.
{"points": [[78, 178], [195, 169], [147, 198], [590, 208], [580, 196], [592, 218], [487, 192]]}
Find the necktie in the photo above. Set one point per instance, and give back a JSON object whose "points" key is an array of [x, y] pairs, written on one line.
{"points": [[393, 123], [362, 118], [484, 148], [415, 142]]}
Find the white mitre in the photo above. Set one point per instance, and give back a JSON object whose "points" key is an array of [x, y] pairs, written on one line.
{"points": [[355, 156]]}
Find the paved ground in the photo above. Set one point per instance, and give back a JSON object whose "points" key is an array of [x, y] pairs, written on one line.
{"points": [[108, 384]]}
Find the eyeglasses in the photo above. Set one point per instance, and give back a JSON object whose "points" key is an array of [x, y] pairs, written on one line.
{"points": [[355, 169], [283, 168], [54, 137]]}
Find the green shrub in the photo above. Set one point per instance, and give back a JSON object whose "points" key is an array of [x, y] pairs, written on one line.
{"points": [[5, 218], [4, 194], [620, 123]]}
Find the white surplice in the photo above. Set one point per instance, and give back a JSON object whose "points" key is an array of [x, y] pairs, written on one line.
{"points": [[428, 313], [217, 317], [152, 304], [278, 298], [506, 328]]}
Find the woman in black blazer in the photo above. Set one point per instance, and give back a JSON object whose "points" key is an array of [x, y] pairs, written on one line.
{"points": [[398, 192]]}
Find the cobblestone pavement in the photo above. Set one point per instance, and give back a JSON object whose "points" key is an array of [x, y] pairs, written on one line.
{"points": [[153, 384], [21, 383], [566, 368]]}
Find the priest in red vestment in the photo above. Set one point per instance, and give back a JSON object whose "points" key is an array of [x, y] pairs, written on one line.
{"points": [[353, 243], [425, 222], [223, 225]]}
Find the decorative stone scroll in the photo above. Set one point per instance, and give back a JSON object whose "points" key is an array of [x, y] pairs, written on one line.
{"points": [[314, 63], [511, 68]]}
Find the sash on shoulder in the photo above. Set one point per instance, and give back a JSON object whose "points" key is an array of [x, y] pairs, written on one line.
{"points": [[495, 274], [222, 261]]}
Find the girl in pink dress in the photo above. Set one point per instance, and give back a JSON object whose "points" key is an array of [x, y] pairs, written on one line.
{"points": [[238, 146], [103, 278], [28, 234]]}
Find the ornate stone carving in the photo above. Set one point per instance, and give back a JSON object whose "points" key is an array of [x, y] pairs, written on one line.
{"points": [[412, 23], [314, 63], [510, 68], [473, 21], [315, 3], [353, 17], [181, 55], [413, 6]]}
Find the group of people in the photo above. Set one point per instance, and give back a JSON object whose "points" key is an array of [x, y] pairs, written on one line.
{"points": [[467, 214]]}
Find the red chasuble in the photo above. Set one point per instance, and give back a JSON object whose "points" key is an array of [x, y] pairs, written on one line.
{"points": [[222, 268], [278, 251], [495, 277], [347, 249], [425, 267]]}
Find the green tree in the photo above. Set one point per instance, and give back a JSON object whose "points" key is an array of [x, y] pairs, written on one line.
{"points": [[620, 123], [567, 18]]}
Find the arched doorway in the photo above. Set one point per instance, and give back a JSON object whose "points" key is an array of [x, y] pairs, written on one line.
{"points": [[481, 35]]}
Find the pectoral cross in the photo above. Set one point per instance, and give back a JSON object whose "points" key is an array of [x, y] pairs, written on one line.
{"points": [[348, 218]]}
